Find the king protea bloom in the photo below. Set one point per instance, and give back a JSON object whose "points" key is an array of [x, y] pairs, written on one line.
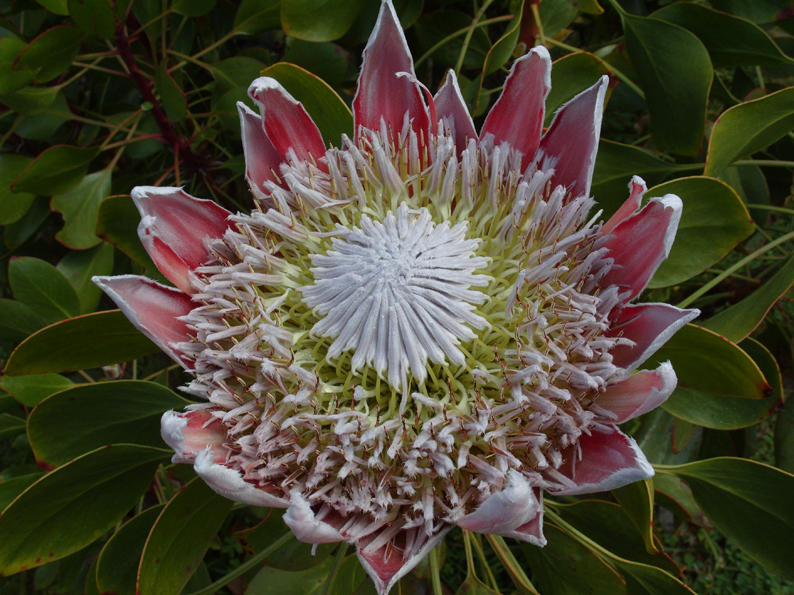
{"points": [[422, 328]]}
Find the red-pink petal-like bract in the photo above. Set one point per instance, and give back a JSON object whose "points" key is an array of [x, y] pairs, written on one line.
{"points": [[419, 329]]}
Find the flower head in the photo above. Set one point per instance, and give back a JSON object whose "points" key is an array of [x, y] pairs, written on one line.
{"points": [[421, 328]]}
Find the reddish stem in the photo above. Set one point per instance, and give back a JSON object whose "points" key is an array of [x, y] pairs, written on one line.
{"points": [[178, 143]]}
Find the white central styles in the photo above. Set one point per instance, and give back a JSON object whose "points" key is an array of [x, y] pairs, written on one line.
{"points": [[398, 293]]}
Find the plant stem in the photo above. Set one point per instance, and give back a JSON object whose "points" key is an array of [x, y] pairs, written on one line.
{"points": [[435, 572], [732, 269], [764, 162], [458, 33], [618, 73], [538, 23], [783, 210], [511, 565], [245, 566], [469, 33]]}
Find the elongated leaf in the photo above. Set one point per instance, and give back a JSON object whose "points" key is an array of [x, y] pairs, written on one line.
{"points": [[719, 385], [326, 108], [637, 501], [675, 72], [759, 519], [615, 164], [272, 581], [318, 20], [172, 97], [257, 15], [12, 204], [87, 341], [29, 390], [117, 564], [80, 207], [713, 221], [748, 128], [95, 17], [180, 537], [739, 320], [784, 438], [10, 425], [17, 320], [563, 556], [501, 51], [43, 288], [82, 418], [570, 75], [51, 52], [55, 171], [14, 486], [730, 40], [79, 267], [74, 505], [12, 78]]}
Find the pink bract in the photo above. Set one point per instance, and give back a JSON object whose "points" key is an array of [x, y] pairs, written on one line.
{"points": [[419, 329]]}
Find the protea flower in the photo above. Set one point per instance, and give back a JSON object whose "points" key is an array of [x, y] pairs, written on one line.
{"points": [[421, 328]]}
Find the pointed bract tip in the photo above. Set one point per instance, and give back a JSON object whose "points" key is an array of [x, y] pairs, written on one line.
{"points": [[676, 205], [266, 83]]}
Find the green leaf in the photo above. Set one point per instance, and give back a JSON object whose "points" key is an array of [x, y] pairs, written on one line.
{"points": [[117, 223], [193, 8], [750, 503], [11, 76], [758, 11], [570, 75], [739, 320], [10, 425], [18, 320], [173, 99], [19, 232], [713, 221], [748, 128], [79, 267], [117, 564], [14, 486], [180, 537], [44, 110], [41, 286], [556, 15], [95, 17], [254, 16], [84, 417], [272, 581], [584, 571], [56, 6], [13, 205], [87, 341], [655, 439], [784, 438], [51, 53], [615, 164], [29, 390], [501, 51], [326, 108], [55, 171], [292, 556], [637, 502], [74, 505], [80, 208], [719, 385], [318, 20], [675, 490], [675, 72], [730, 40]]}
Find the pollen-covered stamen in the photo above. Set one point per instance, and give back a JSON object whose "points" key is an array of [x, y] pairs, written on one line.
{"points": [[398, 293]]}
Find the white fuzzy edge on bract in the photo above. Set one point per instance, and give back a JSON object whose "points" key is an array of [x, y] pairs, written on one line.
{"points": [[228, 483], [665, 335], [641, 469], [267, 83], [505, 510], [451, 81], [172, 426], [300, 518], [410, 563]]}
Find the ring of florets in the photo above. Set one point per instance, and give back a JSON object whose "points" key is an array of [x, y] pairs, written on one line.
{"points": [[313, 406]]}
